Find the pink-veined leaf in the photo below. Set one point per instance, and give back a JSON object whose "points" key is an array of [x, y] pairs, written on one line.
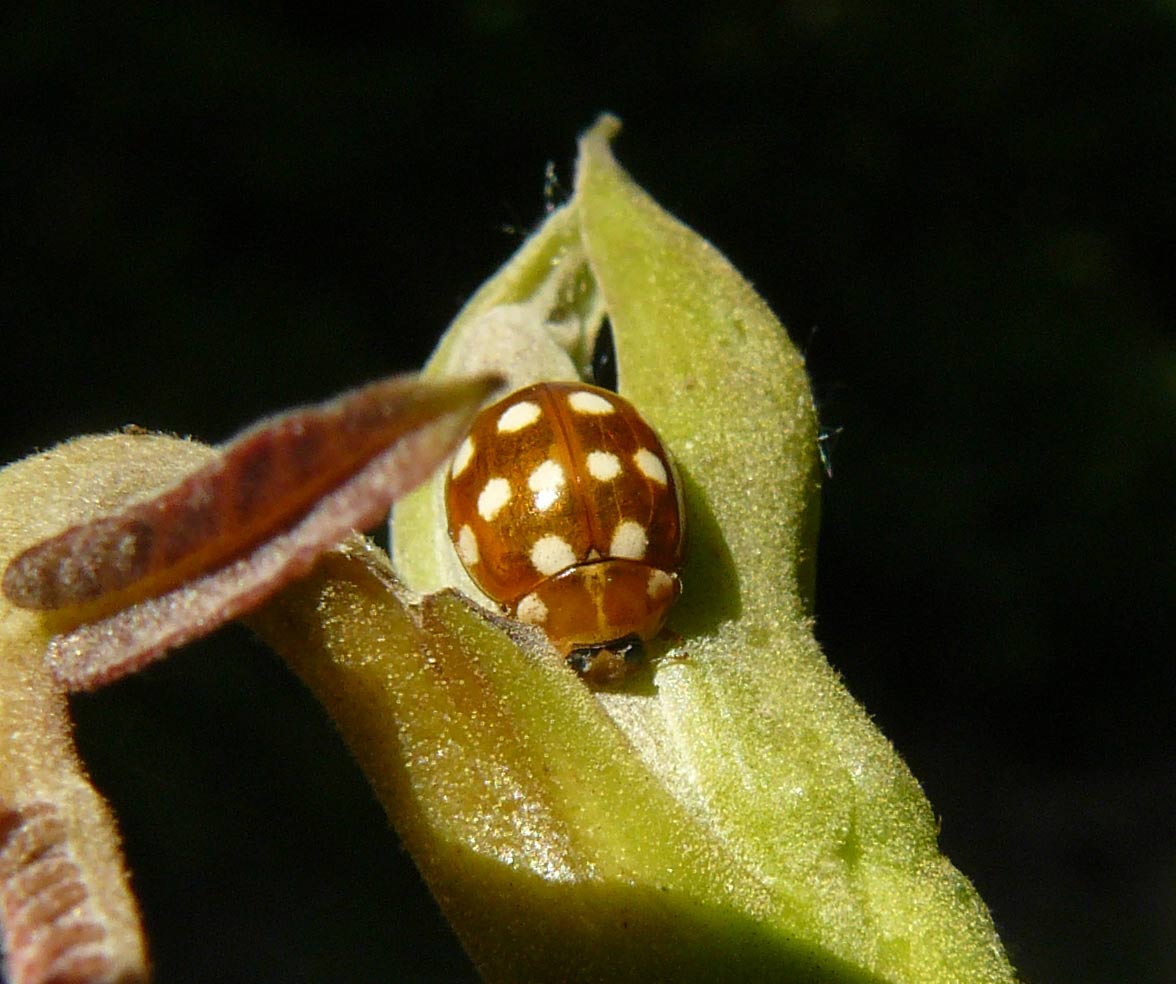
{"points": [[158, 573]]}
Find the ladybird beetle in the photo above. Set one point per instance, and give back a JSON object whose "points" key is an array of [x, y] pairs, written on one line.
{"points": [[564, 508]]}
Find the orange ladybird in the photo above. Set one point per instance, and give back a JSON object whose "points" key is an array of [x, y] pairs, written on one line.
{"points": [[564, 508]]}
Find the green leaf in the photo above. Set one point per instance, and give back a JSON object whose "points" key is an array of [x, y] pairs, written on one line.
{"points": [[67, 909], [733, 810]]}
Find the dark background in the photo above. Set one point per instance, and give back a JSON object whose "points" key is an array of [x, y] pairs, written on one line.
{"points": [[963, 211]]}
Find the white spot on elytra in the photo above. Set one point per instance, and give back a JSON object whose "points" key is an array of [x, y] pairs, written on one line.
{"points": [[546, 481], [467, 546], [515, 418], [659, 584], [551, 554], [603, 466], [650, 465], [531, 610], [628, 541], [493, 497], [583, 401], [462, 458]]}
